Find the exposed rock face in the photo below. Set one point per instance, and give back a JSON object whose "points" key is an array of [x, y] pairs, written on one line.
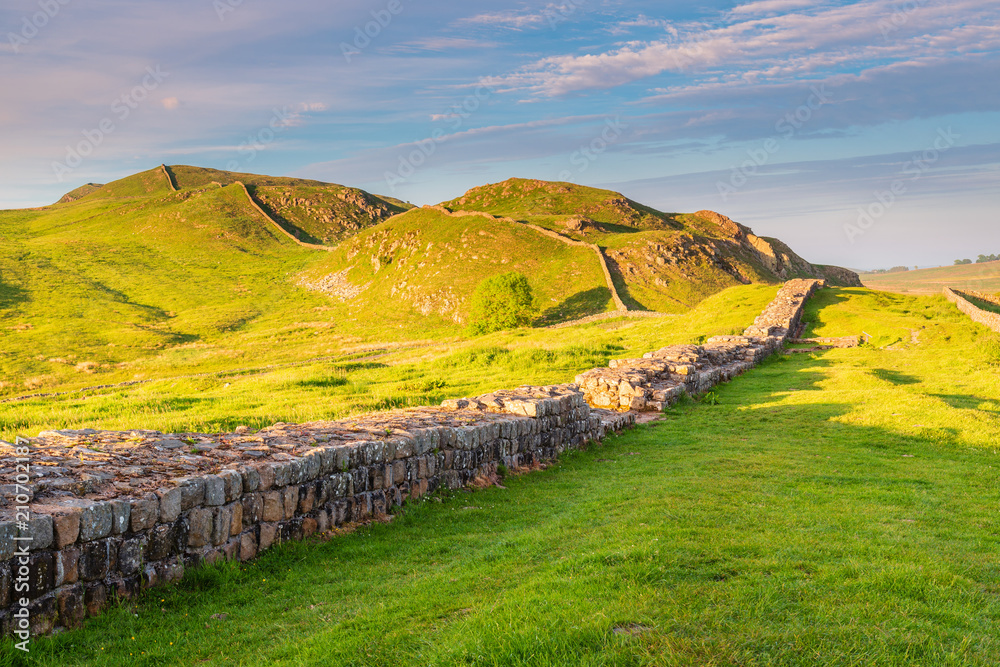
{"points": [[330, 215], [735, 230], [581, 224]]}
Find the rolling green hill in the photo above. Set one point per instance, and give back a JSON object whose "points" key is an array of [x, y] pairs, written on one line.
{"points": [[427, 263], [660, 261], [176, 270], [133, 279]]}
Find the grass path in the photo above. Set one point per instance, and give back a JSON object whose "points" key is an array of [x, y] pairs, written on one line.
{"points": [[831, 509]]}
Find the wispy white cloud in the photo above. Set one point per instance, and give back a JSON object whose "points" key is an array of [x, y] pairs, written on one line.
{"points": [[443, 44], [760, 49], [512, 19], [772, 6], [550, 15]]}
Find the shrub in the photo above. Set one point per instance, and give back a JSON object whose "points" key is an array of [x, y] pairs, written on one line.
{"points": [[501, 302]]}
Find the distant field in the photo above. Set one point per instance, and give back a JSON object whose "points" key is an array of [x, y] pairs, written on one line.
{"points": [[983, 277]]}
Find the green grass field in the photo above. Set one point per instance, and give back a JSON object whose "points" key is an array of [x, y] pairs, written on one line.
{"points": [[133, 281], [981, 277], [833, 508], [243, 380]]}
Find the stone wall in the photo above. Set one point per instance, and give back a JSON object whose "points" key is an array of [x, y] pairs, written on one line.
{"points": [[87, 515], [977, 314], [661, 377]]}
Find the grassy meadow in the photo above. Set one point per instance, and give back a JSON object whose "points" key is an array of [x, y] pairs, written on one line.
{"points": [[302, 373], [827, 508], [983, 277], [831, 508]]}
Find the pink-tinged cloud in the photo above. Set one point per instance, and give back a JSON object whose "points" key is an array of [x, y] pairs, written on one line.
{"points": [[772, 6], [789, 45]]}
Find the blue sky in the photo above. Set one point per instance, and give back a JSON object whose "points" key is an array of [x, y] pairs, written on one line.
{"points": [[864, 134]]}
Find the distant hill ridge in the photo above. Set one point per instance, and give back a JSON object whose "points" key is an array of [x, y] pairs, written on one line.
{"points": [[585, 250]]}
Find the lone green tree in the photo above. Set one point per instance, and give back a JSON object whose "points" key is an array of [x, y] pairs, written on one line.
{"points": [[504, 301]]}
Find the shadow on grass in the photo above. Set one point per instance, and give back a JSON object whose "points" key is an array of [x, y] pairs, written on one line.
{"points": [[817, 525], [895, 377], [621, 285], [812, 315], [960, 402], [575, 307], [11, 295]]}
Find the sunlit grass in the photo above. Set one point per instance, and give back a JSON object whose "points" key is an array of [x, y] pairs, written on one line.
{"points": [[836, 508]]}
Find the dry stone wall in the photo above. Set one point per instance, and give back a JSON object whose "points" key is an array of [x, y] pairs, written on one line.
{"points": [[89, 515], [660, 378], [977, 314]]}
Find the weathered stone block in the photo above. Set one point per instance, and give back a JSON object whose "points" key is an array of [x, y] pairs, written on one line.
{"points": [[290, 500], [144, 512], [95, 597], [6, 592], [282, 474], [313, 462], [125, 587], [67, 561], [253, 508], [44, 612], [266, 473], [222, 522], [215, 491], [121, 513], [41, 574], [70, 602], [307, 498], [236, 526], [95, 560], [248, 545], [192, 492], [161, 542], [233, 482], [231, 549], [251, 479], [328, 458], [322, 521], [273, 506], [130, 555], [268, 532], [38, 530], [200, 521], [170, 504], [8, 543]]}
